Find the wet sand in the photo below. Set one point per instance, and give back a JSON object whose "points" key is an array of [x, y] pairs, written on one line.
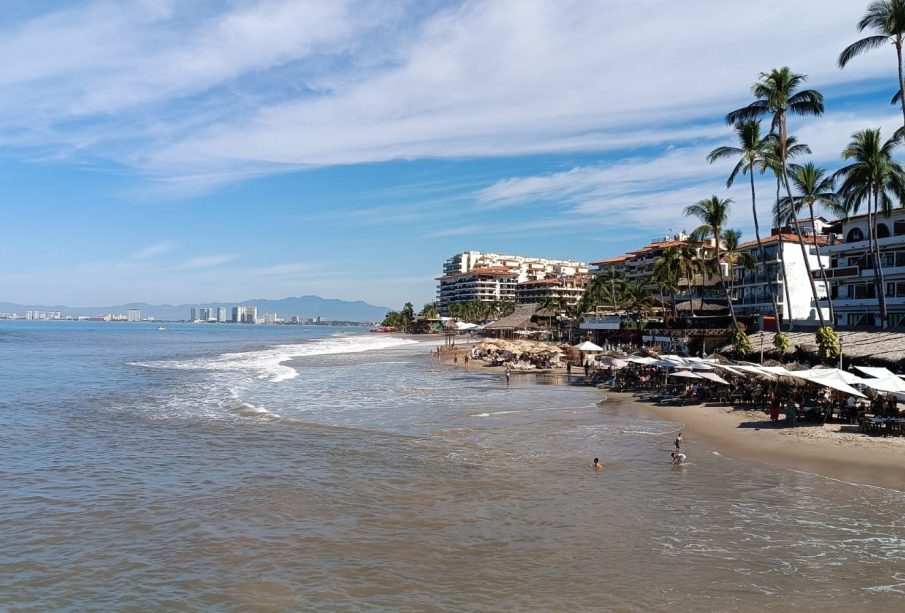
{"points": [[836, 451]]}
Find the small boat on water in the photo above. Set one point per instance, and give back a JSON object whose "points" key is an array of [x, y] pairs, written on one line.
{"points": [[161, 328]]}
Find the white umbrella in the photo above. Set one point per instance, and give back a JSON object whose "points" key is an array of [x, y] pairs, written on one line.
{"points": [[833, 380], [886, 384], [588, 346], [685, 374], [879, 373], [712, 377]]}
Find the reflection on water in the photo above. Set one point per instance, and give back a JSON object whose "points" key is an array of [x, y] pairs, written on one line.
{"points": [[367, 480]]}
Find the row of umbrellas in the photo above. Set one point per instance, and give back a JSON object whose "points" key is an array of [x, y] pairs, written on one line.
{"points": [[879, 379]]}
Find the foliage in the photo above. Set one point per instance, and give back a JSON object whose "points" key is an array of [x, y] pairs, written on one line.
{"points": [[741, 342], [781, 342], [478, 311], [431, 310], [828, 346]]}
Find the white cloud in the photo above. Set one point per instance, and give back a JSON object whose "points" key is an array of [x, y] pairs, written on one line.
{"points": [[204, 261], [151, 251], [195, 95]]}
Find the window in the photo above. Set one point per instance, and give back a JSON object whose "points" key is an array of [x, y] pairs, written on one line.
{"points": [[896, 320], [900, 258], [858, 319], [882, 230], [898, 228], [854, 235]]}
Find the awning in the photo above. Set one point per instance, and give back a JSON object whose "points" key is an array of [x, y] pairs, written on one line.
{"points": [[832, 380], [886, 384]]}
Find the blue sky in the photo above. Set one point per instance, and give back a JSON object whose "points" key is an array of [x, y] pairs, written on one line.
{"points": [[178, 152]]}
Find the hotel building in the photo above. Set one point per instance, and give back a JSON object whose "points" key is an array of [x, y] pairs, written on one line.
{"points": [[489, 277], [794, 300], [851, 271]]}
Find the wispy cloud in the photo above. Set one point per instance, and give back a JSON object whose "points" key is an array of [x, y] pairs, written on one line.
{"points": [[291, 268], [151, 251], [205, 261], [195, 95]]}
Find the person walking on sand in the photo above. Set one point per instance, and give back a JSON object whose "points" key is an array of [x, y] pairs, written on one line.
{"points": [[466, 361], [774, 407], [569, 370]]}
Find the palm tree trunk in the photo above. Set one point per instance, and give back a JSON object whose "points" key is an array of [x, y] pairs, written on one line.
{"points": [[760, 247], [782, 262], [690, 277], [899, 56], [801, 243], [875, 253], [719, 269], [826, 284]]}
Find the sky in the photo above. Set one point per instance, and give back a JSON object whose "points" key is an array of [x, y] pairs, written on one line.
{"points": [[218, 151]]}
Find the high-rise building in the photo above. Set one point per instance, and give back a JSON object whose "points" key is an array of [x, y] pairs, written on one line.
{"points": [[491, 277], [222, 316], [245, 314], [134, 315]]}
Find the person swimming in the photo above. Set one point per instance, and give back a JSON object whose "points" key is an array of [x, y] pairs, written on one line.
{"points": [[597, 465]]}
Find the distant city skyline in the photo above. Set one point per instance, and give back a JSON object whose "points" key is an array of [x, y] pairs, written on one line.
{"points": [[177, 153]]}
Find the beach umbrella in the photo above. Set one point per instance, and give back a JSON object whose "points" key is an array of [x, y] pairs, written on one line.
{"points": [[879, 373], [832, 380], [712, 377], [614, 363], [685, 374], [886, 384], [588, 346]]}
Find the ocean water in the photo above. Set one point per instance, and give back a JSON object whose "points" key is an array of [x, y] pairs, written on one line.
{"points": [[277, 468]]}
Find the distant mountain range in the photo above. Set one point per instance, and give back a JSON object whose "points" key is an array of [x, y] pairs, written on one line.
{"points": [[305, 306]]}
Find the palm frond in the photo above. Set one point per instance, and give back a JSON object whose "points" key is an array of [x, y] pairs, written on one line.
{"points": [[861, 46]]}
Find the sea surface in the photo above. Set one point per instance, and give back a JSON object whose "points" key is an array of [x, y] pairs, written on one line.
{"points": [[224, 467]]}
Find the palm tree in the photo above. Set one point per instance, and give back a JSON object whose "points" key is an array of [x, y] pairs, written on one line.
{"points": [[689, 265], [713, 213], [666, 274], [813, 188], [752, 150], [887, 19], [636, 301], [771, 162], [776, 95], [875, 178], [734, 257]]}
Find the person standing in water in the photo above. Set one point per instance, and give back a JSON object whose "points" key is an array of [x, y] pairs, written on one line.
{"points": [[597, 465], [679, 442], [508, 375]]}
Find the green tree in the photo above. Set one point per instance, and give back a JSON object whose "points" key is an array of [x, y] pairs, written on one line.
{"points": [[887, 19], [752, 151], [666, 274], [713, 213], [813, 187], [430, 310], [776, 94], [734, 257], [873, 177], [689, 267]]}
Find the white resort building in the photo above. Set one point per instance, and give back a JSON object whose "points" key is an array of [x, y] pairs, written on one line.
{"points": [[490, 277], [851, 274], [794, 299]]}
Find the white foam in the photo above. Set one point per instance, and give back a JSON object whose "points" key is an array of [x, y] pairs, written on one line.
{"points": [[268, 364]]}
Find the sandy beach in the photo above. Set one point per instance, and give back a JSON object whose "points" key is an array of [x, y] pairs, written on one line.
{"points": [[836, 451]]}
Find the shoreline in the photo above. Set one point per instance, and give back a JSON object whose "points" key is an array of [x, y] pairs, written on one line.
{"points": [[833, 451]]}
